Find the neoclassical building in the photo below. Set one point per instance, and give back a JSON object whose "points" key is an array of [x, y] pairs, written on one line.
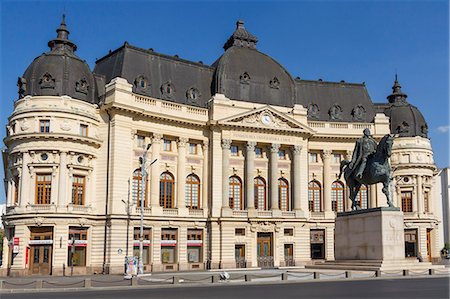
{"points": [[243, 162]]}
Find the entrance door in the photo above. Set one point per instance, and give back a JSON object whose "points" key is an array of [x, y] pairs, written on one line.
{"points": [[317, 244], [429, 243], [264, 250], [411, 243], [239, 255], [289, 254], [41, 243]]}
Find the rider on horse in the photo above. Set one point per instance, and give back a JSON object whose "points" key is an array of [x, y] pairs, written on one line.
{"points": [[365, 146]]}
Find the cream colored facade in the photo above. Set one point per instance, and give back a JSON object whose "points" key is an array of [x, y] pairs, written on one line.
{"points": [[190, 140]]}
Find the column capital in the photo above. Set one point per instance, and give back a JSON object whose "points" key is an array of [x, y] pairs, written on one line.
{"points": [[297, 149], [182, 141], [274, 147], [326, 154], [226, 143], [205, 145], [156, 138], [251, 145]]}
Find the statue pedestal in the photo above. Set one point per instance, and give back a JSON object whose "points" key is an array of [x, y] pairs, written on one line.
{"points": [[370, 234]]}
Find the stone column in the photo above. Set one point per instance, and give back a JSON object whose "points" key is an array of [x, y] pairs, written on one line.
{"points": [[326, 157], [155, 171], [297, 176], [373, 196], [420, 195], [181, 172], [62, 194], [415, 194], [249, 174], [25, 182], [205, 176], [226, 144], [274, 148]]}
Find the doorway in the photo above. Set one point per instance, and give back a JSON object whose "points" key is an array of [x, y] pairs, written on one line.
{"points": [[410, 243], [41, 249], [317, 244], [429, 243], [239, 255], [289, 255], [264, 250]]}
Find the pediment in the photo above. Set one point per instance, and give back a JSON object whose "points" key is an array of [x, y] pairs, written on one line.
{"points": [[266, 118]]}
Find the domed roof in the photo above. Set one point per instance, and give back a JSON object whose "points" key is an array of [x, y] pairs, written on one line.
{"points": [[244, 73], [59, 72], [406, 119]]}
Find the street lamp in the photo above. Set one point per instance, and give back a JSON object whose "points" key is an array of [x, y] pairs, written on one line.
{"points": [[143, 161]]}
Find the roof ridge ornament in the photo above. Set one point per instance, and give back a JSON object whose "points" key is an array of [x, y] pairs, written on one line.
{"points": [[241, 38], [397, 96], [62, 42]]}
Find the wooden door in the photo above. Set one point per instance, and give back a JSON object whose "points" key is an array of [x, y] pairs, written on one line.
{"points": [[239, 255], [429, 243], [41, 252], [289, 254], [264, 250]]}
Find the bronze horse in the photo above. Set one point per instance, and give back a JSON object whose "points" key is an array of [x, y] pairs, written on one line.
{"points": [[377, 170]]}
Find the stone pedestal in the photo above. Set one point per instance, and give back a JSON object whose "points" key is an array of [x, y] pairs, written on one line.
{"points": [[370, 234]]}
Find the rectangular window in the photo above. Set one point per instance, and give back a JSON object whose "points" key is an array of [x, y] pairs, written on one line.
{"points": [[78, 187], [193, 148], [83, 130], [289, 232], [234, 150], [140, 141], [168, 246], [407, 201], [194, 245], [337, 158], [239, 231], [313, 158], [167, 145], [145, 243], [44, 126], [16, 190], [282, 154], [426, 201], [258, 152], [77, 244], [43, 189]]}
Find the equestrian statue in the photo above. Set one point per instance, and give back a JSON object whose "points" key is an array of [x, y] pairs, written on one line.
{"points": [[369, 165]]}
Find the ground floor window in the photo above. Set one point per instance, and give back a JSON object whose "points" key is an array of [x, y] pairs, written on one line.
{"points": [[239, 255], [168, 246], [289, 254], [77, 245], [317, 244], [410, 242], [146, 243], [194, 245]]}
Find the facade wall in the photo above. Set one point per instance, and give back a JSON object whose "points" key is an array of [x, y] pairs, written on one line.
{"points": [[110, 153]]}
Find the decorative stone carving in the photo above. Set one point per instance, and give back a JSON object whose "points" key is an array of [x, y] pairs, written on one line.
{"points": [[251, 146], [297, 149], [182, 141], [335, 112], [24, 125], [82, 86], [38, 221], [156, 138], [326, 154], [65, 126], [47, 82], [313, 111], [266, 118], [358, 113], [226, 143], [274, 148]]}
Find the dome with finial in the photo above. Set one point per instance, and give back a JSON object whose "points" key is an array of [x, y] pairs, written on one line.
{"points": [[243, 73], [405, 119], [59, 71]]}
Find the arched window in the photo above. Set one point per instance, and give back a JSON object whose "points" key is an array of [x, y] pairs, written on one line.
{"points": [[166, 190], [337, 196], [362, 197], [260, 194], [192, 192], [136, 189], [236, 193], [283, 195], [314, 195]]}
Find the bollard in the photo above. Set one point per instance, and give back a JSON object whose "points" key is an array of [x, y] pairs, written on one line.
{"points": [[215, 279], [431, 271], [348, 274], [284, 276], [39, 284], [377, 273], [248, 277], [316, 275], [87, 283], [134, 281], [405, 272], [176, 280]]}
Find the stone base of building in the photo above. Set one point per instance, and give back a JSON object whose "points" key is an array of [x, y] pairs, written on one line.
{"points": [[373, 265]]}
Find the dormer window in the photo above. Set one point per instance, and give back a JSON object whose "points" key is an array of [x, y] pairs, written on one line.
{"points": [[47, 81], [192, 95], [274, 83], [141, 83], [167, 89], [82, 86], [245, 78]]}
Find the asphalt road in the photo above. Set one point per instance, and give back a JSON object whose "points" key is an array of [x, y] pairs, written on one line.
{"points": [[429, 288]]}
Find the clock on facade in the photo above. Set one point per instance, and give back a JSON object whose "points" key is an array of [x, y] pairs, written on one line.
{"points": [[266, 119]]}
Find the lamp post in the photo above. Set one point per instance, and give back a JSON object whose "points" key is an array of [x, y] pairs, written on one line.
{"points": [[143, 161]]}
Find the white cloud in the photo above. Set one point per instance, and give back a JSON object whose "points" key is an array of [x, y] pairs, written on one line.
{"points": [[443, 129]]}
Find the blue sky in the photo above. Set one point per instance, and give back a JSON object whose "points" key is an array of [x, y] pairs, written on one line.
{"points": [[334, 40]]}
